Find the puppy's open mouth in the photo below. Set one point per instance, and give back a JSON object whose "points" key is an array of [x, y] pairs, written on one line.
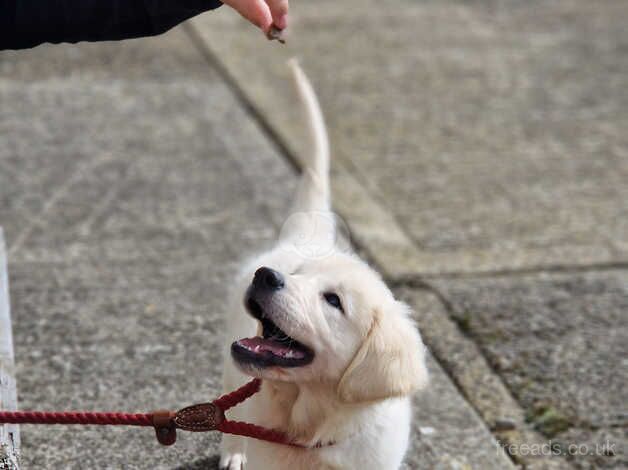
{"points": [[273, 348]]}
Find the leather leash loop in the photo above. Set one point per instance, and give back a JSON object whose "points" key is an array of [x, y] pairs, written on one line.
{"points": [[165, 427], [195, 418], [199, 418]]}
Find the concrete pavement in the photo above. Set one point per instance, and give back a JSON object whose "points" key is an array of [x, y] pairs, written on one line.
{"points": [[131, 196], [480, 162]]}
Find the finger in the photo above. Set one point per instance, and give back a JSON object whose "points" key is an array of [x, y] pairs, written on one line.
{"points": [[279, 12], [256, 11]]}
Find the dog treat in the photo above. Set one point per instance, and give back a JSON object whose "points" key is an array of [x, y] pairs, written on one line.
{"points": [[275, 33]]}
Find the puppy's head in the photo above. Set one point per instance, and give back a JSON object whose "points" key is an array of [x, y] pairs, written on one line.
{"points": [[334, 322]]}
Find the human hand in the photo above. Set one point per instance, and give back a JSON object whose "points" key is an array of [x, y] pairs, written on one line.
{"points": [[271, 16]]}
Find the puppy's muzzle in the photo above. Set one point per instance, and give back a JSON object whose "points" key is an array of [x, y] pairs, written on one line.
{"points": [[273, 346]]}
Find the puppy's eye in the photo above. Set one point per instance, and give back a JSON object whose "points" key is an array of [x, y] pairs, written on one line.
{"points": [[333, 300]]}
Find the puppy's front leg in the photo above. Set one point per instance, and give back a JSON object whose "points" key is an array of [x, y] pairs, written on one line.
{"points": [[233, 448], [232, 453]]}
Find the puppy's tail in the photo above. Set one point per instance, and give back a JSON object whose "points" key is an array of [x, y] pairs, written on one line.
{"points": [[314, 191]]}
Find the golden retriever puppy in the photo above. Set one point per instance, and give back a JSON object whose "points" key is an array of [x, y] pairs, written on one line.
{"points": [[338, 356]]}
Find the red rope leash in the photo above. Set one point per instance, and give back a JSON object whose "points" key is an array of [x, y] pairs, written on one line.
{"points": [[229, 400], [196, 418], [76, 417]]}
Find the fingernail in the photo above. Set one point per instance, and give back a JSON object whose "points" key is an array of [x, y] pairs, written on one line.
{"points": [[281, 21]]}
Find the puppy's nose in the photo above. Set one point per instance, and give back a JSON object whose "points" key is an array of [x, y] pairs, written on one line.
{"points": [[266, 278]]}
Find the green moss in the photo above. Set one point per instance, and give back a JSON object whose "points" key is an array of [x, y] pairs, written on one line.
{"points": [[464, 322], [494, 337], [549, 420]]}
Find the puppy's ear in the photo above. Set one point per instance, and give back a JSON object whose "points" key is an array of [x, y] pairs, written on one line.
{"points": [[390, 362]]}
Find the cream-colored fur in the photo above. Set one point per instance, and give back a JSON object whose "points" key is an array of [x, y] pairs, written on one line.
{"points": [[368, 360]]}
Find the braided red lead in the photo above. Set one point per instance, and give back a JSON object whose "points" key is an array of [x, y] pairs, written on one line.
{"points": [[236, 397], [258, 432], [76, 417], [198, 418]]}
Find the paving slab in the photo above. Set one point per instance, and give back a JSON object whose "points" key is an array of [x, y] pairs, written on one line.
{"points": [[135, 191], [493, 132], [476, 379], [560, 342]]}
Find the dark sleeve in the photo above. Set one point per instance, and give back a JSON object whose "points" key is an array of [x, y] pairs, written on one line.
{"points": [[28, 23]]}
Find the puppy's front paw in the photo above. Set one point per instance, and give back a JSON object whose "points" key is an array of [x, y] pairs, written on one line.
{"points": [[232, 461]]}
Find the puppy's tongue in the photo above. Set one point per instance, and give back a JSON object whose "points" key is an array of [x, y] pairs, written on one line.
{"points": [[259, 345]]}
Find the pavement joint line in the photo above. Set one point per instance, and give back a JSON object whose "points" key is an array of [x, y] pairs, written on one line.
{"points": [[420, 280], [449, 309], [378, 198]]}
